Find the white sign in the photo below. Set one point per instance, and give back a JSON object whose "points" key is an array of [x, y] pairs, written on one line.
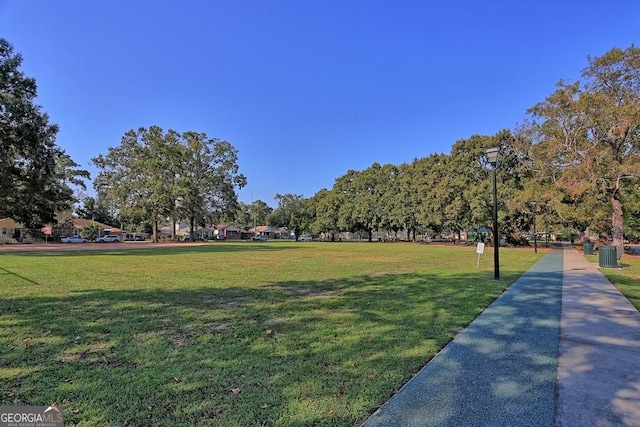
{"points": [[479, 251]]}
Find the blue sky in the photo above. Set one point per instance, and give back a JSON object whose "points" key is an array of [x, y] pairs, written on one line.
{"points": [[305, 90]]}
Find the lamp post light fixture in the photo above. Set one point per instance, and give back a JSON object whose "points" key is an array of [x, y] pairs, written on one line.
{"points": [[492, 155]]}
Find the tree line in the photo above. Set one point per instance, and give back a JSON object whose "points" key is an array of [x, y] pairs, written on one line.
{"points": [[573, 162]]}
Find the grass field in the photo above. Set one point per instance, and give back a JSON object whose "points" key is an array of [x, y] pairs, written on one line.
{"points": [[234, 334], [626, 279]]}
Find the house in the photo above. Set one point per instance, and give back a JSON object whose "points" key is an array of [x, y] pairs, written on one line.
{"points": [[182, 230], [74, 227], [10, 230], [226, 232], [263, 231], [284, 233], [270, 232]]}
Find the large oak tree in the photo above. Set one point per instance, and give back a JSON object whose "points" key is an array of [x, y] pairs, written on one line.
{"points": [[589, 135], [160, 175], [36, 176]]}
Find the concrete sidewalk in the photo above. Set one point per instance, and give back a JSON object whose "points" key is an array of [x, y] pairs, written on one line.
{"points": [[559, 347], [599, 355]]}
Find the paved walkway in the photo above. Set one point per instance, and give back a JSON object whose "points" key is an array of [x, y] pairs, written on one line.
{"points": [[560, 347]]}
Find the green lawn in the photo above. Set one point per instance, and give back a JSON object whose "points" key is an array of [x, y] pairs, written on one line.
{"points": [[626, 279], [234, 334]]}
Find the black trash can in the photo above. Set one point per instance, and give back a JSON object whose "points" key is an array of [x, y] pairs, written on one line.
{"points": [[607, 256], [588, 248]]}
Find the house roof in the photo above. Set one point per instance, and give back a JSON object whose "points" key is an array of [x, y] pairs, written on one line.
{"points": [[80, 223], [9, 223], [262, 229]]}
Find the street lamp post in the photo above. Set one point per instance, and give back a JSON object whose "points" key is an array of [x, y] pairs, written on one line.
{"points": [[535, 233], [546, 231], [492, 155]]}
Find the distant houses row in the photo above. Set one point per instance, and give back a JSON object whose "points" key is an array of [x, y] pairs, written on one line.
{"points": [[228, 232], [12, 231]]}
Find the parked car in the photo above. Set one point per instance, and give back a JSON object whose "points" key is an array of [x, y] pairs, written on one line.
{"points": [[109, 238], [73, 239], [306, 239], [260, 238], [134, 238]]}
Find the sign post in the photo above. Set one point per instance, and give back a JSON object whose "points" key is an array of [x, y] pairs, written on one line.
{"points": [[479, 251]]}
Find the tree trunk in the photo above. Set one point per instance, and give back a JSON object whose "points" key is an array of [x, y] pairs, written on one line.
{"points": [[155, 230], [192, 226], [616, 223]]}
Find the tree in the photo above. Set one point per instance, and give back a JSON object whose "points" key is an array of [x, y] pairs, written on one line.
{"points": [[360, 197], [259, 213], [323, 210], [92, 209], [429, 173], [90, 231], [467, 201], [160, 176], [70, 176], [245, 215], [134, 175], [291, 213], [346, 191], [590, 134], [35, 171], [209, 179]]}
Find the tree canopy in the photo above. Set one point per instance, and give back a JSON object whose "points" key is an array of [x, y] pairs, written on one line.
{"points": [[291, 213], [588, 139], [157, 175], [37, 175]]}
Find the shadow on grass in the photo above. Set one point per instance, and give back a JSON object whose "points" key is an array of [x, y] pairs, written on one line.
{"points": [[284, 353], [4, 271]]}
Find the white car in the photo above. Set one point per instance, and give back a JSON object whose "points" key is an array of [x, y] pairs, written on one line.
{"points": [[73, 239], [108, 238], [306, 239]]}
